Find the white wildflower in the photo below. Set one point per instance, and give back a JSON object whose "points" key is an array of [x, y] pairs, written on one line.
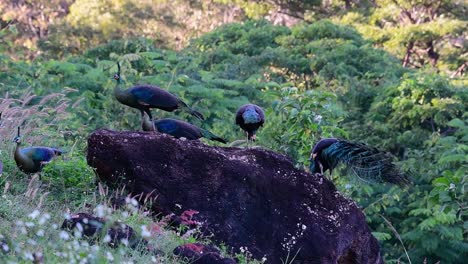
{"points": [[107, 238], [102, 210], [64, 235], [28, 255], [77, 233], [40, 232], [79, 227], [452, 186], [67, 216], [318, 118], [95, 248], [124, 241], [23, 230], [304, 227], [29, 224], [109, 256], [34, 214], [5, 247], [145, 232], [131, 201], [43, 219], [125, 214]]}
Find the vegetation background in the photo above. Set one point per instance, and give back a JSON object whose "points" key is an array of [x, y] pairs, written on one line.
{"points": [[391, 73]]}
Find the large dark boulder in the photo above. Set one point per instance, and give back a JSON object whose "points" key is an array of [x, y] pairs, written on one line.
{"points": [[197, 253], [253, 199]]}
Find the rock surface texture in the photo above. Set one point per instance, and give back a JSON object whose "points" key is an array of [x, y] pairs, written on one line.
{"points": [[197, 253], [252, 199]]}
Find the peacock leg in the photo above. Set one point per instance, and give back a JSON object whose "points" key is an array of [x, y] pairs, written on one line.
{"points": [[148, 111]]}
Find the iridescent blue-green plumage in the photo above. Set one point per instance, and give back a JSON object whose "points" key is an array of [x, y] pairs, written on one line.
{"points": [[179, 129], [364, 161], [250, 118], [33, 159], [145, 97]]}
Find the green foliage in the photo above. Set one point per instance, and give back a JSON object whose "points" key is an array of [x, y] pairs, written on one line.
{"points": [[69, 179], [421, 104], [420, 33], [302, 117], [313, 80]]}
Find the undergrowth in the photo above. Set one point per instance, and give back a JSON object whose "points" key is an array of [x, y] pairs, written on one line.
{"points": [[32, 210]]}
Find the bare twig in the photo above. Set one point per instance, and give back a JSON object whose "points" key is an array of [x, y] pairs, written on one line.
{"points": [[397, 236]]}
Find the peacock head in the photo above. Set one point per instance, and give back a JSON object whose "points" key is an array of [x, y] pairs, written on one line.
{"points": [[17, 140], [117, 76]]}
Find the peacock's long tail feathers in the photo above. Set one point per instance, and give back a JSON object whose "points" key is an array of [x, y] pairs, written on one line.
{"points": [[189, 110], [366, 162], [208, 135]]}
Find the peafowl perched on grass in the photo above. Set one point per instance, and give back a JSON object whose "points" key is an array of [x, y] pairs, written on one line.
{"points": [[365, 161], [145, 97], [178, 129], [250, 118], [33, 159]]}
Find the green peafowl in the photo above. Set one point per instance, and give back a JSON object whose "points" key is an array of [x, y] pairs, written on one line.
{"points": [[250, 118], [145, 97], [365, 161], [33, 159], [178, 129]]}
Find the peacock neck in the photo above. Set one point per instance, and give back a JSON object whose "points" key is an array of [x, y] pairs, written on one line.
{"points": [[118, 92], [18, 154]]}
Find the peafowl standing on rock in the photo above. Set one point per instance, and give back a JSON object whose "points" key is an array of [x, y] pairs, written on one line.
{"points": [[33, 159], [365, 161], [178, 129], [250, 118], [145, 97]]}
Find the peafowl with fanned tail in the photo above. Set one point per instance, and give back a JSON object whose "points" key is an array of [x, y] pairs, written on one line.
{"points": [[178, 129], [145, 97], [364, 161], [250, 118], [33, 159]]}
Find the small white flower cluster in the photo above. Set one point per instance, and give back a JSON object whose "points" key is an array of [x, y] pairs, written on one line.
{"points": [[131, 206], [289, 243], [102, 210], [318, 118], [245, 251], [145, 233]]}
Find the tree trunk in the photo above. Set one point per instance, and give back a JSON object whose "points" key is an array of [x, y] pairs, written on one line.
{"points": [[409, 51], [432, 54]]}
